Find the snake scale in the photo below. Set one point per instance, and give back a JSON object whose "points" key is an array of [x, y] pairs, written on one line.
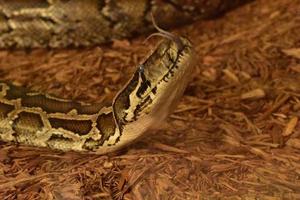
{"points": [[61, 23], [42, 120]]}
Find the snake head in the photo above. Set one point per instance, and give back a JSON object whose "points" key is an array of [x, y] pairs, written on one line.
{"points": [[155, 88]]}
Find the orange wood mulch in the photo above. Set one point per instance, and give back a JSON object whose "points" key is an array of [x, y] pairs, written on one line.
{"points": [[235, 134]]}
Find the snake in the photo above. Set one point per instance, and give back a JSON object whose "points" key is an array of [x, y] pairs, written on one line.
{"points": [[77, 23], [36, 119]]}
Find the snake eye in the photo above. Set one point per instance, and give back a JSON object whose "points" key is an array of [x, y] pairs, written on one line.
{"points": [[141, 68]]}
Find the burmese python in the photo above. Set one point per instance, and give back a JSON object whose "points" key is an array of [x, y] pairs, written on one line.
{"points": [[42, 120]]}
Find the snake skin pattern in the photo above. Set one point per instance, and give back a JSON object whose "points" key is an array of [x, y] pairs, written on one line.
{"points": [[42, 120], [62, 23], [37, 119]]}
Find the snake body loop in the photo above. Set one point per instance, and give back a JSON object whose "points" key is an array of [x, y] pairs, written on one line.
{"points": [[62, 23]]}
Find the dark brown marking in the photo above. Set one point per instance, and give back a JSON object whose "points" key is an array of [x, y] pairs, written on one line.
{"points": [[51, 105], [141, 107], [92, 109], [4, 110], [16, 4], [145, 84], [47, 104], [15, 92], [154, 90], [81, 127], [27, 123], [107, 126], [56, 106]]}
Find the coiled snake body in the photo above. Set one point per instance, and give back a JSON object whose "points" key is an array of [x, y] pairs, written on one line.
{"points": [[41, 120]]}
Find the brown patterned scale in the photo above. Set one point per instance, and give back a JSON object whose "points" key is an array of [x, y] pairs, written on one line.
{"points": [[62, 23], [42, 120]]}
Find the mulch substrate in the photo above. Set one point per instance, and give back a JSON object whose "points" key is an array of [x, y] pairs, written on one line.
{"points": [[234, 135]]}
